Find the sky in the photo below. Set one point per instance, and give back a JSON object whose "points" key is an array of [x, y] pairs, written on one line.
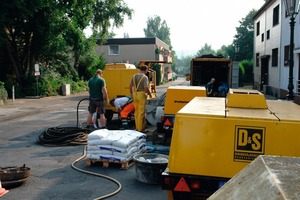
{"points": [[192, 23]]}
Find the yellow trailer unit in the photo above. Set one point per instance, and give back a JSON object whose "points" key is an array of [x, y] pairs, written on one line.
{"points": [[215, 138], [179, 96], [176, 98], [117, 77]]}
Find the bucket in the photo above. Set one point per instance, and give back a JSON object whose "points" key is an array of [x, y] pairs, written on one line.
{"points": [[149, 166]]}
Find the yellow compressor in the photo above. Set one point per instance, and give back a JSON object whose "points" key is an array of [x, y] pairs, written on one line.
{"points": [[214, 138], [117, 77], [176, 98]]}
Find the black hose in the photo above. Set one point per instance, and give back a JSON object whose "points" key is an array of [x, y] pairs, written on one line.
{"points": [[84, 99], [62, 136]]}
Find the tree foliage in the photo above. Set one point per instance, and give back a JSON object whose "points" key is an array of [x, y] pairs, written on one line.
{"points": [[245, 36], [183, 65], [158, 28], [108, 13], [51, 33], [205, 50]]}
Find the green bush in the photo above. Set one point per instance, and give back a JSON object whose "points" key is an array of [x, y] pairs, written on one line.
{"points": [[51, 84], [156, 67], [9, 85], [246, 72], [3, 92], [89, 65]]}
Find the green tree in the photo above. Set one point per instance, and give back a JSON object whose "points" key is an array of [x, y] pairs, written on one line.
{"points": [[158, 28], [183, 65], [205, 50], [51, 33], [225, 51], [245, 36], [108, 13]]}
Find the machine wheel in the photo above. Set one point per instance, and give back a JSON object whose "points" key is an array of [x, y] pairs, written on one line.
{"points": [[109, 115], [154, 137]]}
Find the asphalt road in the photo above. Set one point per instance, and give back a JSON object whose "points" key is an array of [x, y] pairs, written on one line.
{"points": [[52, 175]]}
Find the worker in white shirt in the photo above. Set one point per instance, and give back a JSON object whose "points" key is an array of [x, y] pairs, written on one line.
{"points": [[125, 106]]}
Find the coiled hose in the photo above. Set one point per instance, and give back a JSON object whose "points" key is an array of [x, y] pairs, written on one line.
{"points": [[62, 136], [58, 136]]}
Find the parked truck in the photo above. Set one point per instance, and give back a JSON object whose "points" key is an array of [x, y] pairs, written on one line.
{"points": [[214, 138], [202, 69]]}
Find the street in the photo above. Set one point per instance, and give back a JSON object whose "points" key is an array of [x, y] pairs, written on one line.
{"points": [[52, 176]]}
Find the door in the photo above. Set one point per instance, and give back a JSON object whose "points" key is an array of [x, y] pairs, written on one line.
{"points": [[264, 79]]}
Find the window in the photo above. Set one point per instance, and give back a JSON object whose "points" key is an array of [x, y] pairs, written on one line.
{"points": [[113, 50], [257, 28], [268, 34], [286, 55], [262, 37], [257, 59], [276, 15], [275, 57]]}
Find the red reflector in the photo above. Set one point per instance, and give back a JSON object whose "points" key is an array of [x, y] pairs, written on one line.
{"points": [[195, 185], [182, 186], [167, 123], [167, 181]]}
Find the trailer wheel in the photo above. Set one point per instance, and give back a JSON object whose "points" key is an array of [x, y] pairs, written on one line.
{"points": [[154, 137]]}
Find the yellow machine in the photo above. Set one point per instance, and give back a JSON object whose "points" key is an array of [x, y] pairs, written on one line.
{"points": [[214, 138], [179, 96], [118, 76], [176, 98]]}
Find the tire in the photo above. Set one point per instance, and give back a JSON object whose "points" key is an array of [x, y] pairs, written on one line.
{"points": [[109, 115]]}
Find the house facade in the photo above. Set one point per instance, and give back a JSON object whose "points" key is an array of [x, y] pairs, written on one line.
{"points": [[271, 50], [133, 50]]}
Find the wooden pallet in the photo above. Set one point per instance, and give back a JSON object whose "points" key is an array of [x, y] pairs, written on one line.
{"points": [[110, 163]]}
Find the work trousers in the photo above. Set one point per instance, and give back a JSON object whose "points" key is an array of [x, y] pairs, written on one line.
{"points": [[139, 100], [124, 115], [127, 110]]}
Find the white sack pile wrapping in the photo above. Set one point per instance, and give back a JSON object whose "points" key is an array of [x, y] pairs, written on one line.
{"points": [[115, 145]]}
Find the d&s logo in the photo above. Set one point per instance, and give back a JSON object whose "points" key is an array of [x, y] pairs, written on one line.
{"points": [[249, 143]]}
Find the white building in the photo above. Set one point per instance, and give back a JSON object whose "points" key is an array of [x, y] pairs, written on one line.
{"points": [[271, 50]]}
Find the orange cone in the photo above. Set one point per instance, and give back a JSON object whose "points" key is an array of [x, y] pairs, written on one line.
{"points": [[2, 190]]}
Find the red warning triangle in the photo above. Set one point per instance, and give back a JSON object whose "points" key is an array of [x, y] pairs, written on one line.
{"points": [[167, 123], [182, 186]]}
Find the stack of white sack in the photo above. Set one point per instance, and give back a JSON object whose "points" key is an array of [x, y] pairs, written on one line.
{"points": [[115, 145]]}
